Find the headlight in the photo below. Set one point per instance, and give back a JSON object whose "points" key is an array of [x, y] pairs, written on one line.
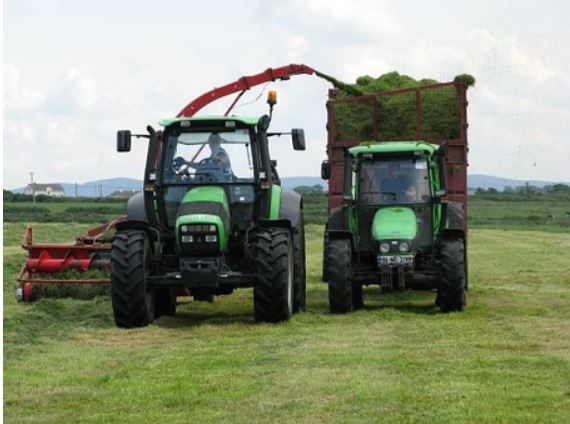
{"points": [[404, 246], [384, 247], [184, 228], [187, 239]]}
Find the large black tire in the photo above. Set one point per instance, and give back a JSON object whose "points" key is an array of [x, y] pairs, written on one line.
{"points": [[165, 302], [133, 300], [300, 278], [451, 293], [339, 273], [273, 291]]}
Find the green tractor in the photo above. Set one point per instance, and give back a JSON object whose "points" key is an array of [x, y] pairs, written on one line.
{"points": [[212, 218], [394, 228]]}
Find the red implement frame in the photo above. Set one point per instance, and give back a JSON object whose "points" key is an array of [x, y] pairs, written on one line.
{"points": [[89, 251]]}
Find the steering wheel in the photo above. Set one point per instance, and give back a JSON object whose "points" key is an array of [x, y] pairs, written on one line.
{"points": [[177, 165]]}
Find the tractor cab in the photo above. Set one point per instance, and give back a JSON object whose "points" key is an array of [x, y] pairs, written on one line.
{"points": [[393, 191]]}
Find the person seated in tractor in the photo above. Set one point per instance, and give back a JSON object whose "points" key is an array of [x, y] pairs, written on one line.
{"points": [[217, 165], [398, 185]]}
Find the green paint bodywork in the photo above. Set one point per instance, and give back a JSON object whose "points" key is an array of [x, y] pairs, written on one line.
{"points": [[394, 147], [275, 202], [394, 223], [247, 120], [205, 194]]}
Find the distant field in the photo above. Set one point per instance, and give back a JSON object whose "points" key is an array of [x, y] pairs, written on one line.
{"points": [[524, 214], [71, 211], [505, 359]]}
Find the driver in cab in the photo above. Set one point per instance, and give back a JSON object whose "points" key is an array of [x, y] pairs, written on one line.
{"points": [[217, 165], [399, 185], [218, 154]]}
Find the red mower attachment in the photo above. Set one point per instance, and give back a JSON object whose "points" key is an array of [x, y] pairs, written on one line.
{"points": [[90, 252]]}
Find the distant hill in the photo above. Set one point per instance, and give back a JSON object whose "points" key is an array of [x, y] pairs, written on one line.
{"points": [[93, 188], [108, 186], [499, 183]]}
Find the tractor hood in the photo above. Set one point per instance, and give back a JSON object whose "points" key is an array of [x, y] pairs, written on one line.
{"points": [[203, 221], [394, 223]]}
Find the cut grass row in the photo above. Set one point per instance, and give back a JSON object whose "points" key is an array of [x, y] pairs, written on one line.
{"points": [[505, 359]]}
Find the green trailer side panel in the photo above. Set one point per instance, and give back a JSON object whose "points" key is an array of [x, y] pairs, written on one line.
{"points": [[394, 223], [275, 202]]}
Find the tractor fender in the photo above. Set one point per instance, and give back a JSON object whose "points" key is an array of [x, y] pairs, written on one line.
{"points": [[340, 234], [455, 216], [136, 209], [336, 220], [132, 224], [291, 208]]}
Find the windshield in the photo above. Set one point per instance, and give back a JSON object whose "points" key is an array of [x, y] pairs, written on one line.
{"points": [[394, 181], [209, 156]]}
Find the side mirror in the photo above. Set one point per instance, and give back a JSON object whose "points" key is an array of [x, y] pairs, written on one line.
{"points": [[123, 141], [298, 136], [274, 163], [325, 170]]}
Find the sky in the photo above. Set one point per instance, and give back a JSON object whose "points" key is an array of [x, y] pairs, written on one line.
{"points": [[74, 72]]}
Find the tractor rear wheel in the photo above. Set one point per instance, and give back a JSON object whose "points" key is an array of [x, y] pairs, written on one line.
{"points": [[451, 293], [133, 300], [273, 292], [339, 273], [300, 279]]}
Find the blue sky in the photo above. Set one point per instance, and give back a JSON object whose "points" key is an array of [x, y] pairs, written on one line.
{"points": [[76, 71]]}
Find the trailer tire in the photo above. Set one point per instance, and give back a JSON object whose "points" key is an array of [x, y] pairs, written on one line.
{"points": [[274, 263], [300, 279], [132, 298], [339, 273], [451, 293]]}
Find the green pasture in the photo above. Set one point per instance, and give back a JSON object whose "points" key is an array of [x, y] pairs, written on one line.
{"points": [[505, 359]]}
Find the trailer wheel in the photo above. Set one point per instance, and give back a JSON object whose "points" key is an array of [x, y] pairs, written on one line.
{"points": [[165, 302], [133, 300], [300, 280], [339, 273], [273, 291], [451, 293]]}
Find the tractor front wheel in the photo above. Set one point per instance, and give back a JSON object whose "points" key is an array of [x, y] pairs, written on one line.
{"points": [[133, 300], [273, 292], [451, 293], [339, 274]]}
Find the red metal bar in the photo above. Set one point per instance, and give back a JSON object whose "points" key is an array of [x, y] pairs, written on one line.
{"points": [[244, 84]]}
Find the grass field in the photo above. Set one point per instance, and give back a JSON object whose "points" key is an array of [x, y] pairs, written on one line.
{"points": [[505, 359]]}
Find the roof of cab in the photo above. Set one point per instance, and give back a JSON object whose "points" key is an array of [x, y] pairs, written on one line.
{"points": [[393, 147], [247, 120]]}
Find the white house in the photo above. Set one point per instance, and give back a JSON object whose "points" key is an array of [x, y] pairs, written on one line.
{"points": [[53, 190]]}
